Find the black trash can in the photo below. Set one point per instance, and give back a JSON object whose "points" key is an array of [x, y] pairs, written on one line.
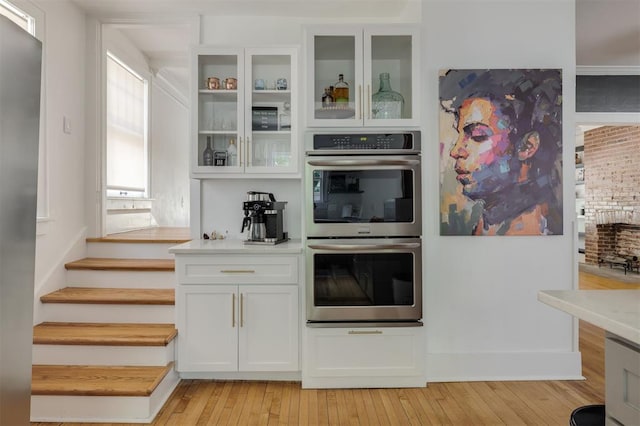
{"points": [[588, 415]]}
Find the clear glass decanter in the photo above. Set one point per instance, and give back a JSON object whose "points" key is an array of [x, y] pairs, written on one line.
{"points": [[387, 104]]}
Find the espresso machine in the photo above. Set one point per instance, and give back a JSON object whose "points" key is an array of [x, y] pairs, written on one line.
{"points": [[264, 218]]}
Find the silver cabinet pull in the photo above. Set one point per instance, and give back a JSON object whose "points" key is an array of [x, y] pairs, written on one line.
{"points": [[238, 271], [240, 151], [249, 151], [360, 100], [241, 310], [233, 310], [369, 101], [365, 332]]}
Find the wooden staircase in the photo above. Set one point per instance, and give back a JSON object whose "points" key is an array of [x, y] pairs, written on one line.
{"points": [[105, 352]]}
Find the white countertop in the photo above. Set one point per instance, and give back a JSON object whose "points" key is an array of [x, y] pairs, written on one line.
{"points": [[293, 246], [616, 311]]}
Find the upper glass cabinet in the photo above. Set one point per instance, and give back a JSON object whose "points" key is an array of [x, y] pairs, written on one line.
{"points": [[244, 113], [362, 76]]}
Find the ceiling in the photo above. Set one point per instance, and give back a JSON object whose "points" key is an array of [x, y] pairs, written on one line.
{"points": [[607, 31]]}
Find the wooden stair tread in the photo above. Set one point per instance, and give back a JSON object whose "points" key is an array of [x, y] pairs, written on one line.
{"points": [[158, 235], [103, 334], [95, 263], [117, 296], [86, 380]]}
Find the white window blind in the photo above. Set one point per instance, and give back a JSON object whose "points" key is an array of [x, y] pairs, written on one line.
{"points": [[127, 170]]}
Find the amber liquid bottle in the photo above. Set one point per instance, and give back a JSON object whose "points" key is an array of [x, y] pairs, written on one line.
{"points": [[341, 93]]}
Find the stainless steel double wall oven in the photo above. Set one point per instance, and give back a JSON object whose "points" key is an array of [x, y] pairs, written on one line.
{"points": [[363, 227]]}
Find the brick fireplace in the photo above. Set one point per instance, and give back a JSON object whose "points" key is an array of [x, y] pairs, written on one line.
{"points": [[612, 192]]}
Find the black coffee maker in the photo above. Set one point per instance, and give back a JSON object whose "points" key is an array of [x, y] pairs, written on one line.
{"points": [[264, 218]]}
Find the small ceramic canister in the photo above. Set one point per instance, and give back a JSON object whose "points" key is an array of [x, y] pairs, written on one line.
{"points": [[258, 84], [281, 84], [230, 83], [213, 83]]}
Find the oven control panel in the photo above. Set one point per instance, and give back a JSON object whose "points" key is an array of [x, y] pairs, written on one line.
{"points": [[404, 141]]}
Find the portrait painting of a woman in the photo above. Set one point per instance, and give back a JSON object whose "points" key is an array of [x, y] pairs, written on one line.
{"points": [[501, 152]]}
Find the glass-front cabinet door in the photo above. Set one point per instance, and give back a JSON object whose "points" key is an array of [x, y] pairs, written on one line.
{"points": [[270, 111], [244, 115], [365, 76]]}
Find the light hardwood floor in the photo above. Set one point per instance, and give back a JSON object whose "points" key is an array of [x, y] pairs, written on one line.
{"points": [[205, 402]]}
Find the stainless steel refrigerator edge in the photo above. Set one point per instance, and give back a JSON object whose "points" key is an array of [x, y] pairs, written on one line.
{"points": [[20, 65]]}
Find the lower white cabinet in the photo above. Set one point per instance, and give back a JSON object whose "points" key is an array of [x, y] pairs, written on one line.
{"points": [[622, 378], [364, 357], [237, 328]]}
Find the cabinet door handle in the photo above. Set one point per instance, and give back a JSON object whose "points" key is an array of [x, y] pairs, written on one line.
{"points": [[365, 332], [369, 101], [249, 151], [238, 271], [233, 310], [360, 100], [240, 151], [241, 310]]}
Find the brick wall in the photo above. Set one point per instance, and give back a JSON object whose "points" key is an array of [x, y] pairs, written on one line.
{"points": [[612, 184]]}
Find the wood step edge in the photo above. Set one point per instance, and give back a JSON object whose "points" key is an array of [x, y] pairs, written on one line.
{"points": [[104, 334], [89, 380], [137, 241], [117, 264], [111, 296]]}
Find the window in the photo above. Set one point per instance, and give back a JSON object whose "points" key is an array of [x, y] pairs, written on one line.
{"points": [[23, 19], [127, 130]]}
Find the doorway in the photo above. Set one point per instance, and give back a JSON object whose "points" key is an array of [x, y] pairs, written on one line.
{"points": [[151, 165], [602, 184]]}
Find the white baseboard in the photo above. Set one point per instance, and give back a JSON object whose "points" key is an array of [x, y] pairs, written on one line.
{"points": [[459, 367]]}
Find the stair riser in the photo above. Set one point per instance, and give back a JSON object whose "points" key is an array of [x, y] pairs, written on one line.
{"points": [[104, 355], [129, 250], [71, 312], [103, 409], [121, 279]]}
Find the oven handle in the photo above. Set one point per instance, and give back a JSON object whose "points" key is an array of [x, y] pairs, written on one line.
{"points": [[363, 247], [381, 162]]}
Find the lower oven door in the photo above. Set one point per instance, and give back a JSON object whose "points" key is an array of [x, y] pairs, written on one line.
{"points": [[364, 279]]}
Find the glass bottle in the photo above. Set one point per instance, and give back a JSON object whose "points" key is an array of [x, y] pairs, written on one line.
{"points": [[207, 154], [285, 117], [327, 98], [387, 104], [232, 151], [341, 93]]}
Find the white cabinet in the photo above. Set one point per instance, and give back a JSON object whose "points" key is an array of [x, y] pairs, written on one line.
{"points": [[364, 357], [208, 328], [622, 370], [225, 325], [238, 328], [362, 54], [247, 98]]}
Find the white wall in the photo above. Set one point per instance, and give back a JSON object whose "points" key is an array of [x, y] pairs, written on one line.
{"points": [[482, 316], [222, 204], [169, 158], [61, 238]]}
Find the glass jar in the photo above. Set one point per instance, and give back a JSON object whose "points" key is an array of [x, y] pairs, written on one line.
{"points": [[232, 152], [341, 92], [285, 117], [387, 104]]}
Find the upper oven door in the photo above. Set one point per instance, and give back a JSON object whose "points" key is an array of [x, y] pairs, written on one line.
{"points": [[359, 196]]}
